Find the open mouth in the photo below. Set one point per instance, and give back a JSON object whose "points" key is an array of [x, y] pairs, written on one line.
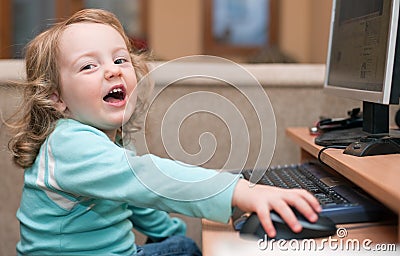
{"points": [[115, 95]]}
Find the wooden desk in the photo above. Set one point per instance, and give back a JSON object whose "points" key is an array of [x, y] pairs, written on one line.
{"points": [[221, 240], [378, 175]]}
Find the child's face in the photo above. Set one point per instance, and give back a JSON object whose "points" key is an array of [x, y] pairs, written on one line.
{"points": [[96, 76]]}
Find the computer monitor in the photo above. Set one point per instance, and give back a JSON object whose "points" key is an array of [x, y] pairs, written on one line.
{"points": [[363, 61]]}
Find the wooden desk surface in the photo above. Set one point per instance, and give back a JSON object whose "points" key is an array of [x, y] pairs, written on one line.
{"points": [[378, 175], [221, 240]]}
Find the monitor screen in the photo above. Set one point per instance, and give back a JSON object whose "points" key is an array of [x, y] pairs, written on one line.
{"points": [[362, 60]]}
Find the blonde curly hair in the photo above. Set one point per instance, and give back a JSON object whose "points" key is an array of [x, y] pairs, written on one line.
{"points": [[37, 116]]}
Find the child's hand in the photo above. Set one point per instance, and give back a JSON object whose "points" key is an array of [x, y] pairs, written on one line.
{"points": [[262, 199]]}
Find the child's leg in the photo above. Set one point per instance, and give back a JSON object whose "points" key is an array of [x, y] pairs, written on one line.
{"points": [[174, 245]]}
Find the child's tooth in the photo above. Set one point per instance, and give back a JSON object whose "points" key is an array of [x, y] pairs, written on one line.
{"points": [[116, 90]]}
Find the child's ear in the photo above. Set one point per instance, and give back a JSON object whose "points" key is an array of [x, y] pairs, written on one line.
{"points": [[59, 104]]}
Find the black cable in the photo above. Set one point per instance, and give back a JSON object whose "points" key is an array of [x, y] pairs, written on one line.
{"points": [[325, 148]]}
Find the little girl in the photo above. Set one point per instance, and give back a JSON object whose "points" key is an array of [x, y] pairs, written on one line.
{"points": [[81, 195]]}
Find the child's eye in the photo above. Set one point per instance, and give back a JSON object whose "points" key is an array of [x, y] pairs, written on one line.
{"points": [[120, 61], [89, 66]]}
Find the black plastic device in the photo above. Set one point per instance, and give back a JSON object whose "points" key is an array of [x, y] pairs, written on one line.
{"points": [[369, 146], [323, 227]]}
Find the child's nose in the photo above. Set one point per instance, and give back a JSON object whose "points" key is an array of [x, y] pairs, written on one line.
{"points": [[112, 71]]}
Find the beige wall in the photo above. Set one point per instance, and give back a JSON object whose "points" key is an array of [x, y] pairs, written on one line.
{"points": [[294, 28], [176, 28], [321, 11], [11, 177], [1, 26], [304, 29]]}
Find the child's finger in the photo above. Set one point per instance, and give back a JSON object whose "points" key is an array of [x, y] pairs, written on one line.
{"points": [[266, 223], [289, 218], [312, 200], [306, 210], [304, 199]]}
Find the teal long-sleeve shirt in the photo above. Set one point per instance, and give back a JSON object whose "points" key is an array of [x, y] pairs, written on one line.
{"points": [[84, 193]]}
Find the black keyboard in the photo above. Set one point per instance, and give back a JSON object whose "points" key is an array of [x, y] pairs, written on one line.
{"points": [[341, 200]]}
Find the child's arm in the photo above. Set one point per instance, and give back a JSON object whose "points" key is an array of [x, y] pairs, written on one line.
{"points": [[262, 199], [156, 225]]}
